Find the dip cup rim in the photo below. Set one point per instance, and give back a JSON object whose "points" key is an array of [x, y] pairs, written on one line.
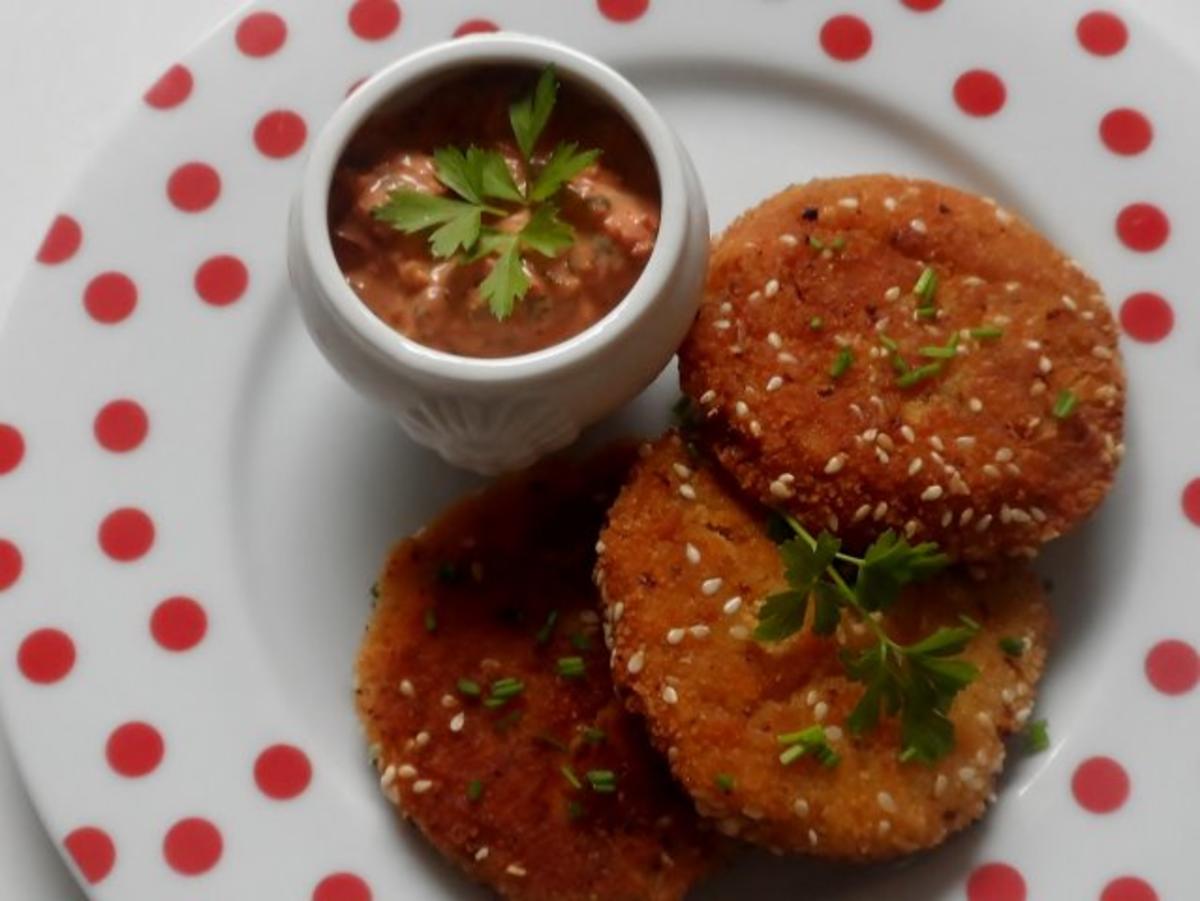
{"points": [[379, 339]]}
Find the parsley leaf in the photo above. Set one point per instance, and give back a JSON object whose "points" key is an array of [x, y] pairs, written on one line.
{"points": [[412, 211], [827, 612], [890, 564], [460, 232], [529, 115], [506, 282], [565, 162], [781, 615], [461, 172], [497, 179], [545, 233]]}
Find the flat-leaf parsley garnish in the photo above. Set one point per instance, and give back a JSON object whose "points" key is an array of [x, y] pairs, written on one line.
{"points": [[915, 682], [493, 214]]}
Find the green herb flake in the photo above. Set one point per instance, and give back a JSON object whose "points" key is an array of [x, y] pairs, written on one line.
{"points": [[987, 332], [1012, 646], [602, 781], [915, 376], [838, 243], [938, 353], [816, 323], [841, 363], [815, 243], [1037, 736], [926, 312], [1065, 404], [469, 688], [570, 667], [569, 775], [808, 742], [580, 642], [724, 782], [474, 790], [547, 629], [593, 735], [926, 285]]}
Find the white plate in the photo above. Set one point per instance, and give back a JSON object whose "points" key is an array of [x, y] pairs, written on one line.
{"points": [[273, 492]]}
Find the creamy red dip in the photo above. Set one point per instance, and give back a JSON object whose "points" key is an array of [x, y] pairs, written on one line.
{"points": [[613, 207]]}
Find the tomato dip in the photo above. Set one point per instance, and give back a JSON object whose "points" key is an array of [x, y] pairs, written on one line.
{"points": [[613, 207]]}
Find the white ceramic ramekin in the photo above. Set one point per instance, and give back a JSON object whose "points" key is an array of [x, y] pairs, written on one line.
{"points": [[495, 415]]}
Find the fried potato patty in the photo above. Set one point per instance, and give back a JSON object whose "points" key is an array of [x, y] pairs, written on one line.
{"points": [[551, 791], [683, 565], [980, 406]]}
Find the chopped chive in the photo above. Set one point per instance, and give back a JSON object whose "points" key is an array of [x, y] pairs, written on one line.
{"points": [[807, 741], [469, 688], [918, 375], [809, 735], [449, 573], [908, 754], [1037, 736], [926, 312], [889, 343], [574, 810], [939, 353], [507, 688], [838, 243], [985, 332], [724, 782], [430, 620], [841, 363], [899, 364], [603, 781], [1065, 405], [547, 629], [792, 754], [580, 642], [816, 323], [926, 285], [1013, 647], [375, 590], [593, 735], [969, 622], [815, 243], [571, 667], [494, 703], [569, 775], [474, 790]]}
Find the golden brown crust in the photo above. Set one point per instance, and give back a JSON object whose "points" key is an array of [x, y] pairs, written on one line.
{"points": [[519, 550], [716, 700], [972, 458]]}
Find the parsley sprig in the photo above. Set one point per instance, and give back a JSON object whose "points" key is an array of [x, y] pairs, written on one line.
{"points": [[915, 682], [486, 192]]}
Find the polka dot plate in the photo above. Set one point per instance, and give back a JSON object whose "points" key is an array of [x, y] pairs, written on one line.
{"points": [[192, 506]]}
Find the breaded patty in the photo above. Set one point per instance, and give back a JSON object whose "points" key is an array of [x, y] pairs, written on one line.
{"points": [[684, 563], [501, 779], [807, 361]]}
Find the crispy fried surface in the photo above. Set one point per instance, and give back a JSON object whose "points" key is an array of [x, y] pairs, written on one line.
{"points": [[490, 571], [973, 458], [716, 699]]}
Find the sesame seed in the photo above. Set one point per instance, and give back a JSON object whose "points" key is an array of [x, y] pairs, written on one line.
{"points": [[618, 611], [669, 694], [740, 632], [1069, 302], [877, 402], [1003, 216], [755, 428], [910, 528], [755, 296], [687, 491], [892, 293], [885, 826], [938, 459], [1037, 513], [691, 552], [711, 586], [458, 721], [918, 225], [972, 281], [915, 466], [861, 513], [991, 470], [449, 701], [726, 307], [742, 409], [636, 662], [753, 813], [708, 396], [787, 478], [406, 771], [421, 786], [388, 777], [406, 689], [936, 443], [882, 455], [780, 490], [682, 471], [966, 516], [1102, 352], [421, 739], [699, 631], [820, 711], [885, 441], [869, 434], [1044, 364], [481, 854], [947, 517], [966, 774], [774, 340], [886, 802], [722, 324], [732, 605], [1004, 454], [800, 807], [833, 733], [832, 522], [939, 785], [813, 839], [932, 493], [849, 203], [983, 719], [965, 441], [889, 203], [771, 288], [775, 383], [675, 636], [1012, 287], [984, 522], [785, 357], [515, 869], [788, 239], [958, 486], [834, 464], [975, 405]]}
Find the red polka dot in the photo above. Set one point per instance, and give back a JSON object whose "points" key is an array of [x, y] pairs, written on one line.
{"points": [[121, 426], [261, 34], [221, 280], [279, 134], [178, 623], [846, 38], [996, 882], [1147, 317], [45, 656], [1173, 667], [374, 20], [172, 88], [1129, 888], [110, 297], [341, 887], [282, 772], [126, 534], [980, 92], [623, 10], [93, 852], [134, 749], [922, 6], [1143, 227], [12, 448], [61, 242], [192, 846], [10, 564], [1102, 33], [1126, 131], [1191, 501], [1100, 785], [194, 187], [475, 26]]}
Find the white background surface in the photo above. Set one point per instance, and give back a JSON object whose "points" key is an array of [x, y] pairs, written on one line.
{"points": [[68, 68]]}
